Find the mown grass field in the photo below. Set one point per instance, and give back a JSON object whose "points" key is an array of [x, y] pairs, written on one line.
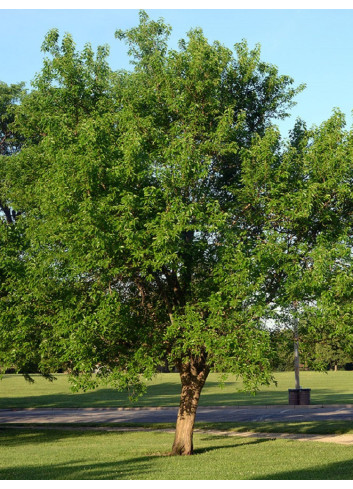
{"points": [[51, 454], [331, 427], [43, 454], [164, 390]]}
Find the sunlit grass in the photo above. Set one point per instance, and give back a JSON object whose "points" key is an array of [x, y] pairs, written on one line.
{"points": [[164, 390], [51, 454]]}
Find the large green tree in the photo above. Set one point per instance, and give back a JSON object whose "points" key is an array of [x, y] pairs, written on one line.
{"points": [[155, 202]]}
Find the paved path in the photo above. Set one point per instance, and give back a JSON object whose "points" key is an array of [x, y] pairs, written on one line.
{"points": [[168, 415], [211, 414]]}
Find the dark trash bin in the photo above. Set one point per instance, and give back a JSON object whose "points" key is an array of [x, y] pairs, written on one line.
{"points": [[299, 397]]}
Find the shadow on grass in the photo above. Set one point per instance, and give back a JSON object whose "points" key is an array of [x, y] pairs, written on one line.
{"points": [[326, 427], [167, 395], [142, 467], [235, 445], [318, 396], [334, 471], [12, 438], [145, 466], [133, 468]]}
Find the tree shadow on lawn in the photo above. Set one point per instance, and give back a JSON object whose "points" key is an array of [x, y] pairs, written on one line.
{"points": [[14, 437], [166, 395], [143, 467], [268, 397], [257, 441], [134, 468], [163, 394], [96, 398], [334, 471]]}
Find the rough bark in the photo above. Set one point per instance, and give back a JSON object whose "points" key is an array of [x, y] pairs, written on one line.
{"points": [[193, 376]]}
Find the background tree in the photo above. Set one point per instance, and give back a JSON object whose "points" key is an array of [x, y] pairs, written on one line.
{"points": [[328, 355], [323, 351], [282, 347], [304, 189]]}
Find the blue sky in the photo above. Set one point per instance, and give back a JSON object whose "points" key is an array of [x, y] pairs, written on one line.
{"points": [[312, 46]]}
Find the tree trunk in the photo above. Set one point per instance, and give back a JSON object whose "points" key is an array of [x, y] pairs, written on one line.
{"points": [[193, 377]]}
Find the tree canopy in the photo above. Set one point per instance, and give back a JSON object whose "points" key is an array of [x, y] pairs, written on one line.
{"points": [[164, 218]]}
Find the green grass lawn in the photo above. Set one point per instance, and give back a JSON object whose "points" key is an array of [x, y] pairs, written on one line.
{"points": [[29, 454], [52, 454], [330, 427], [164, 390]]}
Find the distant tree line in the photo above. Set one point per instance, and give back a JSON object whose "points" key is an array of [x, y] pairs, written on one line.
{"points": [[326, 354]]}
